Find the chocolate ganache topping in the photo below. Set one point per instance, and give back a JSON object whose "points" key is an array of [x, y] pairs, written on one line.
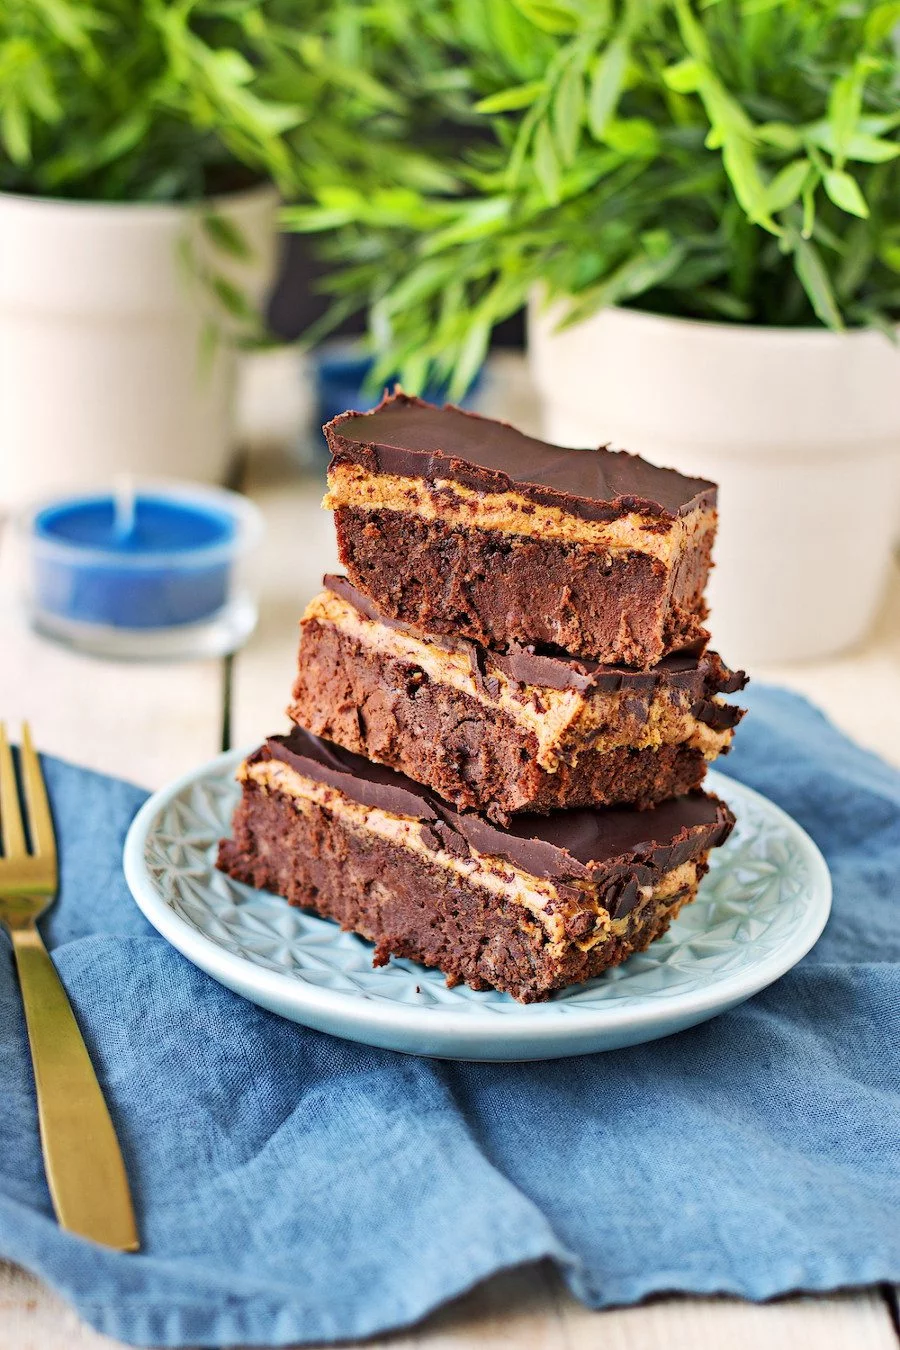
{"points": [[564, 846], [701, 674], [411, 438]]}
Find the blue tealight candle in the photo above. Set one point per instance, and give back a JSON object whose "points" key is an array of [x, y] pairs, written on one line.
{"points": [[149, 571]]}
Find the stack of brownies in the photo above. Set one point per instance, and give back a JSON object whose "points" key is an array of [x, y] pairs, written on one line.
{"points": [[505, 712]]}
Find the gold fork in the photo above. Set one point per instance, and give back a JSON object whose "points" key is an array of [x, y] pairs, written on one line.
{"points": [[82, 1158]]}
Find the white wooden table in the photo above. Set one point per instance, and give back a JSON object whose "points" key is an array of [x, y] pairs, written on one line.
{"points": [[151, 723]]}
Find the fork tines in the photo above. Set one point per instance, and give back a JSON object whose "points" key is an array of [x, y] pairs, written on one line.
{"points": [[40, 822]]}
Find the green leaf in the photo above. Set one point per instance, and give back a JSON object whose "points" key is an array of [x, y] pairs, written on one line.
{"points": [[414, 373], [870, 150], [685, 77], [424, 280], [556, 18], [814, 280], [270, 117], [72, 24], [210, 343], [845, 192], [780, 134], [340, 197], [855, 263], [809, 210], [14, 130], [477, 220], [514, 38], [231, 67], [786, 186], [510, 100], [313, 219], [226, 235], [470, 21], [232, 299], [361, 85], [346, 35], [39, 93], [758, 6], [845, 106], [568, 111], [471, 358], [657, 244], [727, 117], [889, 253], [723, 303], [521, 145], [546, 165], [882, 22], [741, 167], [861, 145], [311, 47], [693, 35], [878, 125], [632, 136], [606, 86], [123, 136]]}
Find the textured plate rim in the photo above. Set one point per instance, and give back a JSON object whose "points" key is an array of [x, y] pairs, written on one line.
{"points": [[531, 1022]]}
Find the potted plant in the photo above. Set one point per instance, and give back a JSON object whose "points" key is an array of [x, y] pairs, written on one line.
{"points": [[139, 146], [700, 205]]}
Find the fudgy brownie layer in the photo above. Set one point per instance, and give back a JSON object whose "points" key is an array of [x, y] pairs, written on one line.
{"points": [[493, 755], [412, 907], [498, 589]]}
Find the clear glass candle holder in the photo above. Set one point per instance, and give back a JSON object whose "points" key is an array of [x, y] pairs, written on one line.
{"points": [[146, 572]]}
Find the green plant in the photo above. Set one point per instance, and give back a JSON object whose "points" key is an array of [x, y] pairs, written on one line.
{"points": [[734, 159], [146, 100]]}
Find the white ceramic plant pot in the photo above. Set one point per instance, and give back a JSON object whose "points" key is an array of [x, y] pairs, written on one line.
{"points": [[800, 428], [101, 360]]}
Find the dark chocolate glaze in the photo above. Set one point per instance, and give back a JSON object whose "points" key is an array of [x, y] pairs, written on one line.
{"points": [[409, 437], [700, 674], [564, 846]]}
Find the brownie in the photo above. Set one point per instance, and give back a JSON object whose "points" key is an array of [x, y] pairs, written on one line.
{"points": [[459, 524], [529, 909], [505, 732]]}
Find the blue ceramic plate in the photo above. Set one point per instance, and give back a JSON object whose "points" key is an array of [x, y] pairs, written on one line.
{"points": [[760, 909]]}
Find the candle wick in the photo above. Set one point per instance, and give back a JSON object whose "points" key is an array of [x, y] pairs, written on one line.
{"points": [[125, 502]]}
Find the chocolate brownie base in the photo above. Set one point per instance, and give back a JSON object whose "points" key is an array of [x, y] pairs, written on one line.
{"points": [[449, 716], [520, 912], [496, 588]]}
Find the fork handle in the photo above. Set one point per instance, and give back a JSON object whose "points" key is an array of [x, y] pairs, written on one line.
{"points": [[83, 1161]]}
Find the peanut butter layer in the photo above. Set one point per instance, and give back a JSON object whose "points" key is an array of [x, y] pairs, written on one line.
{"points": [[513, 513], [602, 708]]}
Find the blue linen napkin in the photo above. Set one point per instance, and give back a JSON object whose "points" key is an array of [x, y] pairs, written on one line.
{"points": [[294, 1187]]}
